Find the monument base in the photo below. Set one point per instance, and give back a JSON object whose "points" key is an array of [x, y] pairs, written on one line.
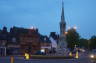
{"points": [[62, 52]]}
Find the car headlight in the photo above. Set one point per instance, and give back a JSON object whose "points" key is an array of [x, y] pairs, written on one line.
{"points": [[92, 56]]}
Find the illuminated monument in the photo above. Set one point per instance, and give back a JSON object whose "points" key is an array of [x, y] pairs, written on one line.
{"points": [[62, 44]]}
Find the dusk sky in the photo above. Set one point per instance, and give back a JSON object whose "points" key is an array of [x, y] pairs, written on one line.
{"points": [[46, 14]]}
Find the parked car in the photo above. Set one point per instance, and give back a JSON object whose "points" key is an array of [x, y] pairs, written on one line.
{"points": [[40, 53], [93, 54]]}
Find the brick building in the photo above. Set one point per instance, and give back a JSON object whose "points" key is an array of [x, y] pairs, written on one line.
{"points": [[30, 42], [21, 40]]}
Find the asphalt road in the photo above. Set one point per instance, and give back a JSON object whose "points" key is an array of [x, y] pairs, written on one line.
{"points": [[22, 60]]}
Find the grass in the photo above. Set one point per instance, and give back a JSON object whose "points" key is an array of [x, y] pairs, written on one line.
{"points": [[49, 57], [46, 57]]}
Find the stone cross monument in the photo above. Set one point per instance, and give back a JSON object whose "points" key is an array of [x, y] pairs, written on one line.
{"points": [[62, 44]]}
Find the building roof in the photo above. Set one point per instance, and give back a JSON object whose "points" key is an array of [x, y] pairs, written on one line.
{"points": [[45, 39]]}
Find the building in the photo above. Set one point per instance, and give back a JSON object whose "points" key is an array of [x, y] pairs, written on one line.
{"points": [[46, 44], [54, 41], [21, 40], [3, 41], [13, 45], [3, 47], [30, 42]]}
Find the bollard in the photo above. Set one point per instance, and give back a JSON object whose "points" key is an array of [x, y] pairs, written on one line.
{"points": [[12, 59], [27, 56], [70, 54], [77, 55]]}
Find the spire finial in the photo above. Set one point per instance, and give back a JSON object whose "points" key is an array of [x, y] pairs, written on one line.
{"points": [[62, 14], [62, 3]]}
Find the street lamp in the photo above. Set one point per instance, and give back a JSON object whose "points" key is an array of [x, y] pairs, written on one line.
{"points": [[66, 33]]}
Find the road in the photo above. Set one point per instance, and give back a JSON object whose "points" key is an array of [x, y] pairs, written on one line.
{"points": [[22, 60]]}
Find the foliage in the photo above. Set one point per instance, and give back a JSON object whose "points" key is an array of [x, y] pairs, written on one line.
{"points": [[84, 43], [93, 42], [72, 38]]}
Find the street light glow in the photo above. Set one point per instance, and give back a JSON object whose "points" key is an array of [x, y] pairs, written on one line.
{"points": [[66, 33], [42, 50], [91, 56], [75, 27]]}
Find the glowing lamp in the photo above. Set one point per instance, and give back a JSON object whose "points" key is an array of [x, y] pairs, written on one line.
{"points": [[92, 56], [43, 50]]}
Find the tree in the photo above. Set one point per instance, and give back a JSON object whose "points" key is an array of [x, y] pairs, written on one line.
{"points": [[54, 36], [4, 31], [84, 43], [72, 38], [93, 42]]}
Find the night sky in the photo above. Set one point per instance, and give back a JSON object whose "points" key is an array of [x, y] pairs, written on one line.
{"points": [[46, 15]]}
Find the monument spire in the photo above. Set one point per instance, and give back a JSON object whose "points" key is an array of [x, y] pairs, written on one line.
{"points": [[62, 22], [62, 44], [62, 13]]}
